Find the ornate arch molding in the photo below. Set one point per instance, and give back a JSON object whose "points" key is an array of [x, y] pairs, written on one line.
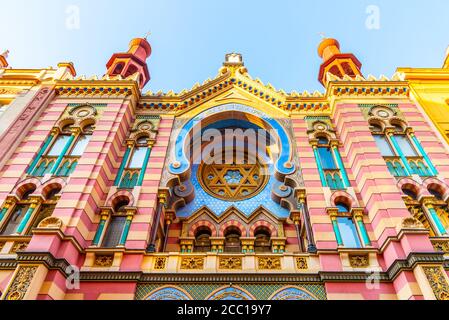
{"points": [[292, 293], [168, 293], [345, 197], [230, 293], [122, 194], [25, 185], [79, 116], [180, 165], [247, 225]]}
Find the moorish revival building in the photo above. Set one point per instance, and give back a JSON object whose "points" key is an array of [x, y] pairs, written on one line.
{"points": [[107, 192]]}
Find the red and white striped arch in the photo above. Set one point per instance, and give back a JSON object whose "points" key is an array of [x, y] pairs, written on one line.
{"points": [[263, 224], [232, 223], [200, 224]]}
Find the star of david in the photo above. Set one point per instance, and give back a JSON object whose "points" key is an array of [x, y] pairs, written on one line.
{"points": [[232, 181]]}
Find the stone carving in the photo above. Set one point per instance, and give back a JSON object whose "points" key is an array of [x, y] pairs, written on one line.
{"points": [[269, 263], [301, 264], [50, 223], [441, 246], [192, 263], [411, 223], [359, 261], [159, 263], [21, 283], [19, 246], [438, 282], [103, 261], [230, 263]]}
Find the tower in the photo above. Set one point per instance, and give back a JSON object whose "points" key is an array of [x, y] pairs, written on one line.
{"points": [[3, 61], [131, 62], [335, 62], [446, 61]]}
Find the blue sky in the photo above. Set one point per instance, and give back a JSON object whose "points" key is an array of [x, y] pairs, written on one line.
{"points": [[278, 39]]}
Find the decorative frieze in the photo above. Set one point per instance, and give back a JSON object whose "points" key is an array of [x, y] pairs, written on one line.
{"points": [[437, 281], [18, 246], [230, 263], [441, 245], [103, 261], [159, 263], [269, 263], [192, 263], [21, 283], [359, 260], [301, 263]]}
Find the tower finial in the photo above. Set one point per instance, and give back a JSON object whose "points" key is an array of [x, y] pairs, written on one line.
{"points": [[147, 35], [322, 35]]}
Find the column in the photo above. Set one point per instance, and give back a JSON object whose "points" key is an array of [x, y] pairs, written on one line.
{"points": [[302, 206], [129, 219], [8, 204], [423, 153], [145, 163], [129, 146], [41, 152], [104, 217], [34, 204], [162, 202], [295, 216], [75, 133], [333, 217], [407, 168], [336, 152], [428, 204], [358, 216], [318, 163]]}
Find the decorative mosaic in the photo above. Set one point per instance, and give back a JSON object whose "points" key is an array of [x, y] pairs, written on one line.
{"points": [[197, 291], [218, 206]]}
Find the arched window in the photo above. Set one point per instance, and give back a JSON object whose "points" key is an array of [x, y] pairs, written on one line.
{"points": [[18, 212], [132, 69], [116, 224], [232, 240], [118, 68], [114, 231], [60, 157], [202, 240], [402, 151], [330, 165], [326, 156], [263, 239], [347, 227], [133, 167]]}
